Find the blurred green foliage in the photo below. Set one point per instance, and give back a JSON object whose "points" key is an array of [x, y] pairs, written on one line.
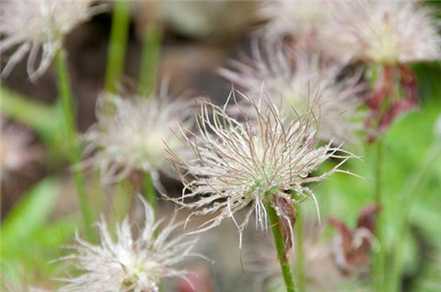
{"points": [[29, 238], [408, 143]]}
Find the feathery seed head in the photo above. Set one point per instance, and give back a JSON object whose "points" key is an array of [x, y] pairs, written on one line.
{"points": [[386, 32], [307, 85], [38, 27], [129, 263], [133, 136], [298, 18], [236, 165]]}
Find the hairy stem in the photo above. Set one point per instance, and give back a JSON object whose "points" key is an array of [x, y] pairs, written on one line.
{"points": [[280, 247], [379, 257], [149, 191], [149, 61], [298, 247], [118, 44], [122, 200], [74, 156], [147, 86], [378, 170]]}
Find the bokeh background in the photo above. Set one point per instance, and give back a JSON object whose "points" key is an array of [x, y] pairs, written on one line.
{"points": [[39, 210]]}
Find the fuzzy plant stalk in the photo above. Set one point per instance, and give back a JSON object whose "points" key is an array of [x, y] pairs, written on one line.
{"points": [[379, 149], [280, 248], [374, 76], [69, 114], [298, 247], [118, 44], [115, 63], [149, 191], [379, 257], [122, 200], [148, 75]]}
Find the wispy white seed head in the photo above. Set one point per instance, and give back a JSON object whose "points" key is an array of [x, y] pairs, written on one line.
{"points": [[126, 263], [384, 32], [38, 27], [298, 18], [236, 165], [305, 84], [130, 134]]}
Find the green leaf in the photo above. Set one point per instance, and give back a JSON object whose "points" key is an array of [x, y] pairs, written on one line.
{"points": [[57, 233], [407, 142], [30, 213], [44, 119], [36, 115]]}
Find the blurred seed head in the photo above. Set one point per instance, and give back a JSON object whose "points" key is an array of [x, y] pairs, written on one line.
{"points": [[295, 18], [236, 165], [306, 84], [386, 32], [130, 134], [38, 27], [16, 150], [128, 263]]}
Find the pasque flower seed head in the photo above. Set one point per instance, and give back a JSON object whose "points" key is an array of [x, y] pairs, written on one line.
{"points": [[238, 165], [38, 27], [130, 263], [386, 32], [302, 82], [131, 135]]}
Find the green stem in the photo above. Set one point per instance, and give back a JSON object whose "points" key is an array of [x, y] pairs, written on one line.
{"points": [[298, 247], [123, 200], [379, 256], [378, 171], [149, 191], [280, 247], [147, 83], [150, 59], [118, 44], [407, 202], [69, 114]]}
